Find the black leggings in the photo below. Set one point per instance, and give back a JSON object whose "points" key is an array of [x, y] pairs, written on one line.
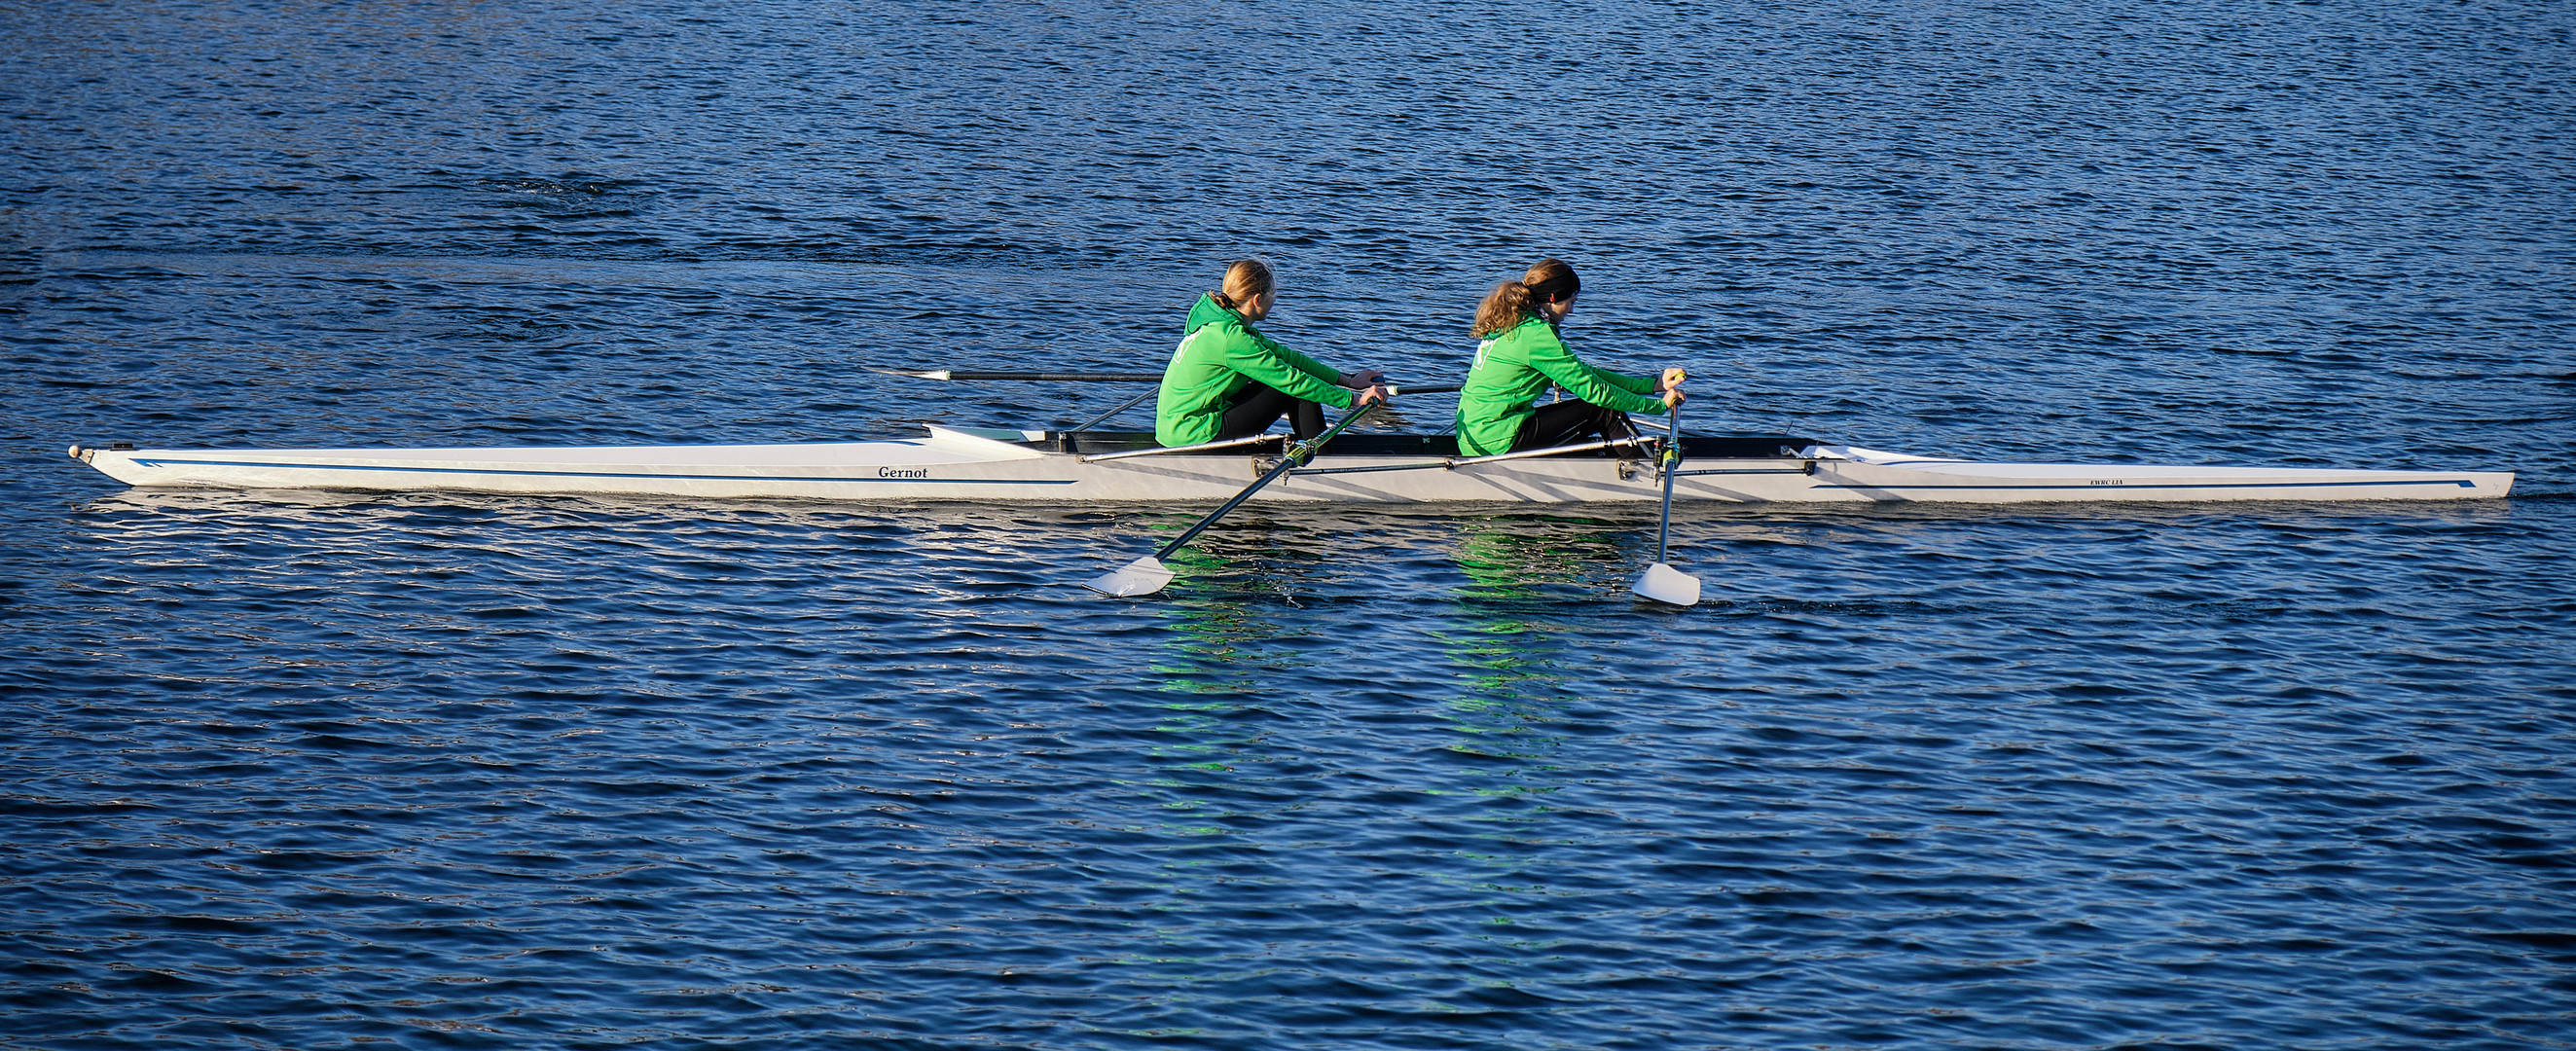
{"points": [[1567, 422], [1258, 406]]}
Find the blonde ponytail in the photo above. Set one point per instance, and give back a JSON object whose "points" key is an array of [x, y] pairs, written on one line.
{"points": [[1245, 281]]}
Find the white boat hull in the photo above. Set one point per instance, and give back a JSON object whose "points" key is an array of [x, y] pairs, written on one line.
{"points": [[1019, 466]]}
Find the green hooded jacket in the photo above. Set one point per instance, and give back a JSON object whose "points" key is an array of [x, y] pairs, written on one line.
{"points": [[1515, 366], [1220, 354]]}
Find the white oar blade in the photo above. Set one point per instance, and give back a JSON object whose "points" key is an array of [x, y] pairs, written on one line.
{"points": [[1663, 583], [1147, 575]]}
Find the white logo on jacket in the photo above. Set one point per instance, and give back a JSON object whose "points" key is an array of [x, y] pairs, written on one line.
{"points": [[1186, 341]]}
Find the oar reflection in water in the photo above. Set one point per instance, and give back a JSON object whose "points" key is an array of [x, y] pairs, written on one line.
{"points": [[1224, 640], [1266, 552]]}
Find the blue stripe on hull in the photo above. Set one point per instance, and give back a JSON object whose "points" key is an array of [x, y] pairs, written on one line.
{"points": [[596, 474]]}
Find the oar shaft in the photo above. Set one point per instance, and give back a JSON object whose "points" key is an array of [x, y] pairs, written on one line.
{"points": [[1042, 377], [1672, 463], [1297, 456], [1060, 377], [1104, 417]]}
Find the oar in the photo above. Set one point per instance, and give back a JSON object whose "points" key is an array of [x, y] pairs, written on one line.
{"points": [[1122, 407], [1044, 377], [1662, 582], [1147, 575], [1110, 377], [1391, 391]]}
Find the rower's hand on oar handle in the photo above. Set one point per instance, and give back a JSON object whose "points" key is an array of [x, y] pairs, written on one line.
{"points": [[1671, 386], [1364, 378], [1673, 397], [1376, 392]]}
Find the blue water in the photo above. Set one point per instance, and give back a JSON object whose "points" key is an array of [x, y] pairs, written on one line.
{"points": [[313, 770]]}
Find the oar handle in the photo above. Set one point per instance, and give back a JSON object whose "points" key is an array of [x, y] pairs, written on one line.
{"points": [[1297, 456]]}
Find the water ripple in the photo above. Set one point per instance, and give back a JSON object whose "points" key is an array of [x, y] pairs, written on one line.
{"points": [[313, 769]]}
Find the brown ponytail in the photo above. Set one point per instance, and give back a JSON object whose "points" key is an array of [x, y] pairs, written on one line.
{"points": [[1513, 302], [1245, 281], [1504, 309]]}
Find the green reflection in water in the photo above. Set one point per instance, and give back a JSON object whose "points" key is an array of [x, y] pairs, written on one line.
{"points": [[1515, 632], [1518, 558], [1524, 573], [1234, 634]]}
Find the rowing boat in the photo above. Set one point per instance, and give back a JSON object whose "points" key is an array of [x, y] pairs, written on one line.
{"points": [[990, 465]]}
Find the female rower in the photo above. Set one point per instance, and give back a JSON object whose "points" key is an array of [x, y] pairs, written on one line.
{"points": [[1521, 354], [1227, 380]]}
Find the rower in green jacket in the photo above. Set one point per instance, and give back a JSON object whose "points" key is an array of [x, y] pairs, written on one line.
{"points": [[1227, 380], [1521, 354]]}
